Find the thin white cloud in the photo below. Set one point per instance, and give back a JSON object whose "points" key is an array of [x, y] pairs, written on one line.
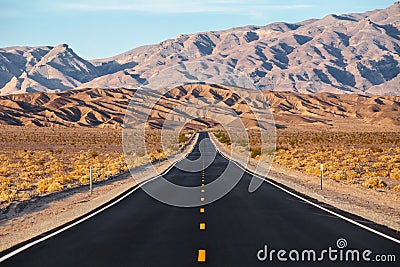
{"points": [[177, 6]]}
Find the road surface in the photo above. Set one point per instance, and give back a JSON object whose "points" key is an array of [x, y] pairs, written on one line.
{"points": [[141, 231]]}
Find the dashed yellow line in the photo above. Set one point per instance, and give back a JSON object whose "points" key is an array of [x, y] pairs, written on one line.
{"points": [[201, 255]]}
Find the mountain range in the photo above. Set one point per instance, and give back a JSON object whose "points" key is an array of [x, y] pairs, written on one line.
{"points": [[350, 53]]}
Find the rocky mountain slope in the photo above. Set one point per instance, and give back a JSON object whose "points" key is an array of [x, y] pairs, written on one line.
{"points": [[30, 69], [357, 53], [105, 108]]}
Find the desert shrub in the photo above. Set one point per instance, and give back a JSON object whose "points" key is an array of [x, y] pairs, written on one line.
{"points": [[8, 195], [4, 169], [61, 178], [379, 164], [223, 137], [376, 149], [23, 196], [54, 186], [380, 173], [312, 169], [351, 180], [43, 184], [182, 138], [373, 182], [339, 175], [395, 174], [5, 183], [397, 187], [24, 185], [48, 185], [385, 158], [351, 175], [93, 154], [395, 159], [225, 140], [255, 151], [85, 179]]}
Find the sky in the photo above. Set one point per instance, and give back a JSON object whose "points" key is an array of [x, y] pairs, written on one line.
{"points": [[100, 28]]}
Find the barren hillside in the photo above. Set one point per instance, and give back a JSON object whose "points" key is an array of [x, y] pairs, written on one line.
{"points": [[105, 108]]}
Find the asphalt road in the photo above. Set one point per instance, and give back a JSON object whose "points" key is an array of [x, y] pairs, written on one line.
{"points": [[141, 231]]}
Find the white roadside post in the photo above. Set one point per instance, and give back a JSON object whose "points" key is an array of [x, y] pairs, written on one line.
{"points": [[91, 182], [322, 173]]}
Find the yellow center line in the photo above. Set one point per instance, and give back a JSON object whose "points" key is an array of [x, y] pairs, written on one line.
{"points": [[201, 255]]}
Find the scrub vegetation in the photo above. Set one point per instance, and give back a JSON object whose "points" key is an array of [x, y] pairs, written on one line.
{"points": [[371, 159], [368, 159], [39, 161]]}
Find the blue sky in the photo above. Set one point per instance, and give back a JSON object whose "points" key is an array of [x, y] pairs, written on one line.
{"points": [[100, 28]]}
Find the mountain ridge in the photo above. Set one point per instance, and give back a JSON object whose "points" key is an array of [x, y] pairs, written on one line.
{"points": [[348, 53]]}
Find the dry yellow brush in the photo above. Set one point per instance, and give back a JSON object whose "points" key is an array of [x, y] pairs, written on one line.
{"points": [[24, 174], [28, 173], [369, 159]]}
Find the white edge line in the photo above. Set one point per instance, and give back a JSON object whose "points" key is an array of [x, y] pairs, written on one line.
{"points": [[310, 202], [136, 187]]}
